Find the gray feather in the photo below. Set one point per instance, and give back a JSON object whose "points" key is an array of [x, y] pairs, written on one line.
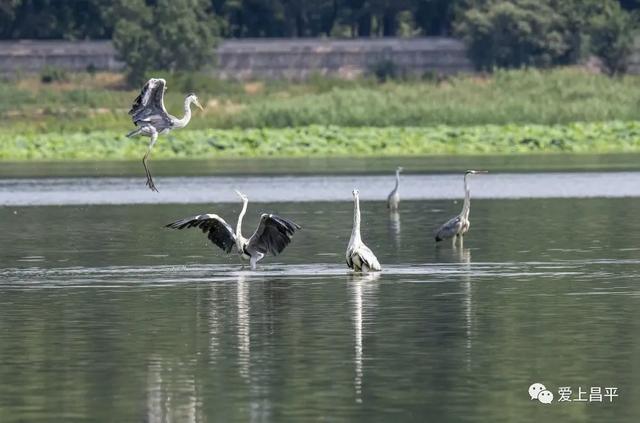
{"points": [[273, 234], [218, 231]]}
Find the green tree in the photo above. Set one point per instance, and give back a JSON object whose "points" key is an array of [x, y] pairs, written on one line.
{"points": [[170, 35], [612, 36], [50, 19], [515, 33]]}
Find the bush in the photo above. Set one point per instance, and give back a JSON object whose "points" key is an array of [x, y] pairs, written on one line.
{"points": [[612, 36], [385, 69], [515, 34], [172, 35], [51, 74]]}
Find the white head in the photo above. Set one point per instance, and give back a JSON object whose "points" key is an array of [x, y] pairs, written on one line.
{"points": [[356, 194], [192, 98], [473, 172], [399, 169]]}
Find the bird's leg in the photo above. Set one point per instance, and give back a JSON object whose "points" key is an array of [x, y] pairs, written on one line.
{"points": [[154, 138], [461, 241]]}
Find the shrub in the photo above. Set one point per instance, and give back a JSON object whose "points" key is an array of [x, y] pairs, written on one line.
{"points": [[51, 74], [612, 36], [172, 35], [514, 34], [385, 69]]}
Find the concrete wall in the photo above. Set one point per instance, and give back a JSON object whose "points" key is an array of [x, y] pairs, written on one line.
{"points": [[300, 58], [258, 58], [32, 56]]}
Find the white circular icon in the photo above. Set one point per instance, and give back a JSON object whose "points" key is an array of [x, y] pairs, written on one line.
{"points": [[545, 397], [535, 389]]}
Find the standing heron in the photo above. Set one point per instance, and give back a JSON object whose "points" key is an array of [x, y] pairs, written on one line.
{"points": [[393, 201], [272, 235], [359, 257], [150, 116], [458, 225]]}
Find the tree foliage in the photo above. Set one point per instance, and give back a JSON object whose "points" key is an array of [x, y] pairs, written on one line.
{"points": [[180, 34], [172, 35], [515, 34], [612, 36]]}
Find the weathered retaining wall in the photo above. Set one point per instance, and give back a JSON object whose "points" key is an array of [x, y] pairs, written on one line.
{"points": [[32, 56], [258, 58], [300, 58]]}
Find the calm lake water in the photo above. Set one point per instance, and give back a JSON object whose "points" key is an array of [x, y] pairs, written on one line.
{"points": [[107, 316]]}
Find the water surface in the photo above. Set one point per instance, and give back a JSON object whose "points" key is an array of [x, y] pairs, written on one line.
{"points": [[220, 189], [107, 316]]}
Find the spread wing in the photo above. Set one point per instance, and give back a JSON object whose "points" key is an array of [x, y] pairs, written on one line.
{"points": [[449, 229], [273, 234], [218, 231], [148, 107]]}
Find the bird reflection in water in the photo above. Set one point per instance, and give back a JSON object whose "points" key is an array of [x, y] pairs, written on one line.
{"points": [[462, 256], [394, 226], [364, 289], [163, 405]]}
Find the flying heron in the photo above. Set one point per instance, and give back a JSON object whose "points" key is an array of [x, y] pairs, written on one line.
{"points": [[272, 235], [393, 201], [458, 225], [359, 257], [150, 116]]}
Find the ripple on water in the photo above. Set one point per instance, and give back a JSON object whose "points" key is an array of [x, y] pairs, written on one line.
{"points": [[173, 275]]}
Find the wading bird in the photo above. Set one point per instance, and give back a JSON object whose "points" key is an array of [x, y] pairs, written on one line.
{"points": [[458, 225], [359, 257], [393, 201], [272, 235], [151, 118]]}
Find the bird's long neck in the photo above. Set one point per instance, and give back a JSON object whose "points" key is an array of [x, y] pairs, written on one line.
{"points": [[397, 180], [240, 217], [467, 200], [181, 123], [355, 232]]}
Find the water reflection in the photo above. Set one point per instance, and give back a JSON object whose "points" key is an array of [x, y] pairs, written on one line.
{"points": [[243, 326], [394, 226], [173, 397], [214, 322], [464, 257], [364, 294]]}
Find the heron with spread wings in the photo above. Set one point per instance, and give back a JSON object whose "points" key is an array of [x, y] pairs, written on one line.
{"points": [[151, 118], [459, 225], [273, 234]]}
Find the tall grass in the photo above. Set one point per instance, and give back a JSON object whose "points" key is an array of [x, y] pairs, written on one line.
{"points": [[557, 96]]}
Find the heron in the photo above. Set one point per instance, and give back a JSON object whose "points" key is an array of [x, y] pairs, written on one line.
{"points": [[151, 118], [272, 235], [359, 257], [457, 226], [393, 200]]}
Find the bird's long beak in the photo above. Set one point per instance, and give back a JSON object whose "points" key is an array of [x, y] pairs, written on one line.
{"points": [[197, 103], [473, 172], [241, 195]]}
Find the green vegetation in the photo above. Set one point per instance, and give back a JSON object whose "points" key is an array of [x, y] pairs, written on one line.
{"points": [[517, 33], [562, 96], [180, 34], [173, 34], [562, 110], [331, 141]]}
